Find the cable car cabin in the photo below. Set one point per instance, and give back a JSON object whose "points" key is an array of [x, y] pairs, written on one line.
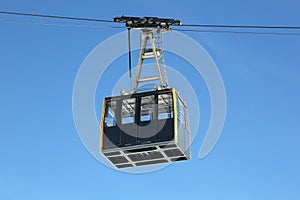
{"points": [[145, 128]]}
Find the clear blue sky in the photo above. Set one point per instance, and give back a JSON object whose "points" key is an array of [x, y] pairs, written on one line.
{"points": [[257, 156]]}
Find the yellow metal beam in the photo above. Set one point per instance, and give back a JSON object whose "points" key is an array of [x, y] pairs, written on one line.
{"points": [[175, 115], [101, 125]]}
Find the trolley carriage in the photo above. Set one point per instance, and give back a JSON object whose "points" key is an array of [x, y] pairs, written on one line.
{"points": [[152, 127]]}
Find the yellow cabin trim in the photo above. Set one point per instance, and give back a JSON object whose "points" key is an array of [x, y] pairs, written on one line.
{"points": [[101, 125], [175, 115]]}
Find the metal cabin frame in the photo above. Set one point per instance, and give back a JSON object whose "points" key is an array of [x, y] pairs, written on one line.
{"points": [[137, 137]]}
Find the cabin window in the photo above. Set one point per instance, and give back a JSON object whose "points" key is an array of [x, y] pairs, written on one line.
{"points": [[165, 106], [147, 108], [110, 117], [180, 111], [128, 111]]}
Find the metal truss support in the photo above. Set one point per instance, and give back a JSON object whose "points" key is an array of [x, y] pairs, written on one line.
{"points": [[151, 49]]}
